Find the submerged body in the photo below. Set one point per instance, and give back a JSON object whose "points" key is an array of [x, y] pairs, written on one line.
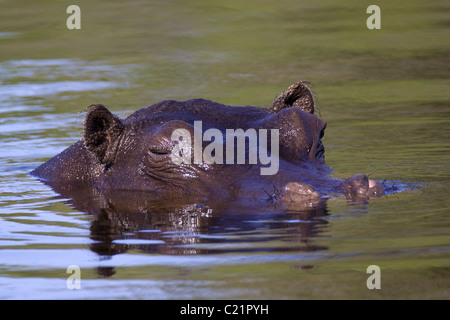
{"points": [[137, 153]]}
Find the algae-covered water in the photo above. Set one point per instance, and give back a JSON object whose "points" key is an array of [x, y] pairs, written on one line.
{"points": [[385, 96]]}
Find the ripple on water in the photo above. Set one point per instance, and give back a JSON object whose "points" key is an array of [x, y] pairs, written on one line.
{"points": [[22, 79]]}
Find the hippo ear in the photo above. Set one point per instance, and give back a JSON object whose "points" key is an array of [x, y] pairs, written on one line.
{"points": [[297, 95], [102, 130]]}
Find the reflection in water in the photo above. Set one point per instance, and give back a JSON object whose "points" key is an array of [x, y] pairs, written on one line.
{"points": [[53, 74], [124, 220]]}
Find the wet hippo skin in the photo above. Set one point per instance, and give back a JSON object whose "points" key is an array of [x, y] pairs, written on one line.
{"points": [[136, 154]]}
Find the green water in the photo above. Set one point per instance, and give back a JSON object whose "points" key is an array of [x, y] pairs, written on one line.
{"points": [[385, 96]]}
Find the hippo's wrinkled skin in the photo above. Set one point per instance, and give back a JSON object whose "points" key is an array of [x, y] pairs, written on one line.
{"points": [[135, 154]]}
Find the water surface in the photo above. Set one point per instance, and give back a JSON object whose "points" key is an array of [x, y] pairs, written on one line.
{"points": [[384, 94]]}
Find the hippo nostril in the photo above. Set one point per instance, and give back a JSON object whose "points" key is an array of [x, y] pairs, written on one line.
{"points": [[320, 151]]}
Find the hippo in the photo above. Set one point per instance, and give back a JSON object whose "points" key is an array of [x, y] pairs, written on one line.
{"points": [[200, 149]]}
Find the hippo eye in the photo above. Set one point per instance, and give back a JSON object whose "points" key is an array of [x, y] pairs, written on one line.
{"points": [[160, 150]]}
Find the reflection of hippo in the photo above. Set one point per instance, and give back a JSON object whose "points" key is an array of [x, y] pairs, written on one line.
{"points": [[127, 220], [136, 153], [121, 221]]}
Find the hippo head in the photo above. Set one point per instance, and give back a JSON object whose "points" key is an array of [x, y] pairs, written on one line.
{"points": [[172, 143], [202, 148]]}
